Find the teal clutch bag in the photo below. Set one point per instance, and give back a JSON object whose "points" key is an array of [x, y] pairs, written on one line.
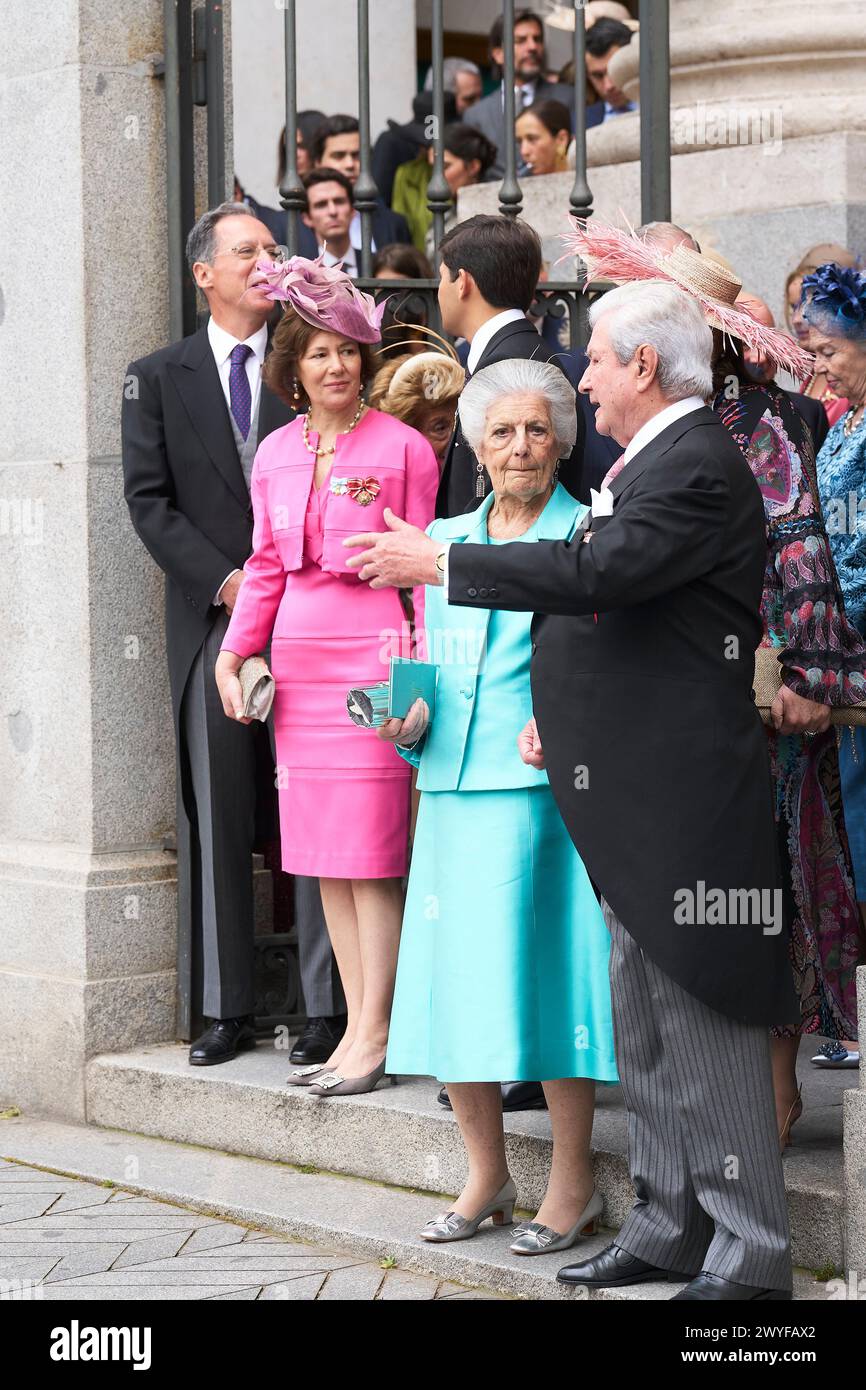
{"points": [[370, 705]]}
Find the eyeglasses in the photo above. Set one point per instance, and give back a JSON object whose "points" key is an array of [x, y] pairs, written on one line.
{"points": [[246, 251]]}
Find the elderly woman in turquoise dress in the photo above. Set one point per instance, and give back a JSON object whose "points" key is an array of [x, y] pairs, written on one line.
{"points": [[503, 966], [834, 306]]}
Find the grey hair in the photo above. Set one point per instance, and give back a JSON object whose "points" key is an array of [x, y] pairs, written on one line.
{"points": [[201, 242], [671, 321], [450, 69], [506, 379]]}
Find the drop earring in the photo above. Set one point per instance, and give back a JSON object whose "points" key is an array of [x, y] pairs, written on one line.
{"points": [[296, 392], [480, 484]]}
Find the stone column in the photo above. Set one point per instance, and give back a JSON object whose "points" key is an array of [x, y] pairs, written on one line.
{"points": [[87, 892]]}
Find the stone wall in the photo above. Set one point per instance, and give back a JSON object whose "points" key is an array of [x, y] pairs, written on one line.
{"points": [[87, 892]]}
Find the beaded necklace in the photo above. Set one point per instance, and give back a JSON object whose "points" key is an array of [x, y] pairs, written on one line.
{"points": [[322, 453]]}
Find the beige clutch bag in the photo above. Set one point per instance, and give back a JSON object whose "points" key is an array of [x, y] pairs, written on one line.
{"points": [[258, 688], [768, 682]]}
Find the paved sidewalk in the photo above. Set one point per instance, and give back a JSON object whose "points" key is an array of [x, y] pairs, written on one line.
{"points": [[64, 1239]]}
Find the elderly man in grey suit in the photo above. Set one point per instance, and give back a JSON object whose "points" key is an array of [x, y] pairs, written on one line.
{"points": [[488, 115], [190, 428]]}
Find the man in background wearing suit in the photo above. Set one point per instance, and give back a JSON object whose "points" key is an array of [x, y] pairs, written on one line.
{"points": [[191, 424], [337, 145], [643, 660], [488, 114], [487, 279]]}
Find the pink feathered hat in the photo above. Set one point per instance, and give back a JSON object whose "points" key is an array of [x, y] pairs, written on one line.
{"points": [[324, 297], [621, 256]]}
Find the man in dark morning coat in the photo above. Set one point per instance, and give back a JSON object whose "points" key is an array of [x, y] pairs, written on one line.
{"points": [[193, 414], [489, 271], [643, 661]]}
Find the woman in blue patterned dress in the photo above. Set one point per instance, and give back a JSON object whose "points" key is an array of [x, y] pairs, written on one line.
{"points": [[834, 304]]}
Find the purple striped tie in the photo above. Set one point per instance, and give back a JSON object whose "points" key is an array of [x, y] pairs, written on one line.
{"points": [[239, 388]]}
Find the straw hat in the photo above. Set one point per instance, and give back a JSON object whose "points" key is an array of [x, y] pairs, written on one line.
{"points": [[623, 257], [704, 276]]}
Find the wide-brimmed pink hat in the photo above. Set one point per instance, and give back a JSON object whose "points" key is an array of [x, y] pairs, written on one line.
{"points": [[324, 297], [613, 254]]}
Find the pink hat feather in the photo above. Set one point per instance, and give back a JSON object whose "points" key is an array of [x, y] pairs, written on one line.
{"points": [[324, 297], [613, 254]]}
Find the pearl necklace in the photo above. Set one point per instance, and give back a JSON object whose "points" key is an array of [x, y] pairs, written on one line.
{"points": [[322, 453], [849, 427]]}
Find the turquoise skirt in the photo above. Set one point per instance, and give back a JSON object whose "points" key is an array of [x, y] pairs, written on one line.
{"points": [[503, 968]]}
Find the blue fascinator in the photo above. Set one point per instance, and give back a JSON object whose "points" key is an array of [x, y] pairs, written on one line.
{"points": [[836, 296]]}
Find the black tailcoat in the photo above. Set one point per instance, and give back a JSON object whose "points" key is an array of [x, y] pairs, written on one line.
{"points": [[655, 751], [185, 487]]}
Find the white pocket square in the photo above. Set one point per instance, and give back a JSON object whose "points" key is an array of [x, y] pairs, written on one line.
{"points": [[601, 503]]}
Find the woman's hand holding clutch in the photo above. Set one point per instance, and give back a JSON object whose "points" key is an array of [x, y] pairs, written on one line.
{"points": [[529, 746], [792, 714], [226, 671], [407, 731]]}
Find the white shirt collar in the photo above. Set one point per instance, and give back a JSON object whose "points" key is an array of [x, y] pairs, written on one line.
{"points": [[647, 433], [350, 259], [519, 88], [488, 330], [222, 342]]}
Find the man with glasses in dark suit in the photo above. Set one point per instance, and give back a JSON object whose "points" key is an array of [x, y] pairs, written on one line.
{"points": [[193, 415]]}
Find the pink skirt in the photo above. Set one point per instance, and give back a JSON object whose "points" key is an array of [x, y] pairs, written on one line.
{"points": [[344, 794]]}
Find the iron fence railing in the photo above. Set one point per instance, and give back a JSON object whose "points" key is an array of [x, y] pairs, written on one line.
{"points": [[194, 44]]}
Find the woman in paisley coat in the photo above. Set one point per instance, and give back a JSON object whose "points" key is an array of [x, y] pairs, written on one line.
{"points": [[824, 664]]}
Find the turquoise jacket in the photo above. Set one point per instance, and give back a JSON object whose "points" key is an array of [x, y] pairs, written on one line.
{"points": [[483, 694]]}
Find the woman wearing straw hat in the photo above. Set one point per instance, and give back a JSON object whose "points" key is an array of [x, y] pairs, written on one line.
{"points": [[823, 657]]}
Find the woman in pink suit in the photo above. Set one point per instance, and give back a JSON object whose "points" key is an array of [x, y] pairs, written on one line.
{"points": [[344, 794]]}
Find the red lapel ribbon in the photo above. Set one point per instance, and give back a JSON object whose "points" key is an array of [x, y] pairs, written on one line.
{"points": [[363, 490]]}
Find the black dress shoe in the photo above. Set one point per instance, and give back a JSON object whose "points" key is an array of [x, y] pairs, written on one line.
{"points": [[222, 1041], [612, 1267], [712, 1288], [318, 1040], [516, 1095]]}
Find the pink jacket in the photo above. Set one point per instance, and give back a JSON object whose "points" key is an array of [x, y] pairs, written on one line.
{"points": [[381, 450]]}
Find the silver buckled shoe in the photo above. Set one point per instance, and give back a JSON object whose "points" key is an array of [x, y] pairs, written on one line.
{"points": [[452, 1226], [537, 1239]]}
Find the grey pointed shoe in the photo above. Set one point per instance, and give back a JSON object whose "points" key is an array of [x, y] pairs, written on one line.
{"points": [[331, 1083], [452, 1226], [303, 1076], [536, 1239]]}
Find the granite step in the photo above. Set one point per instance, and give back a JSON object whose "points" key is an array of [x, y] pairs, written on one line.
{"points": [[399, 1135], [343, 1214]]}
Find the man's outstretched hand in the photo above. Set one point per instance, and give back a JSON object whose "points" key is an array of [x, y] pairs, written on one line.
{"points": [[400, 557]]}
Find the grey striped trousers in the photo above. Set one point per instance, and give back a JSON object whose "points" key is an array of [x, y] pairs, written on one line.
{"points": [[703, 1149]]}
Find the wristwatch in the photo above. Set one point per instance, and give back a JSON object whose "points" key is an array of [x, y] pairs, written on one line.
{"points": [[440, 564]]}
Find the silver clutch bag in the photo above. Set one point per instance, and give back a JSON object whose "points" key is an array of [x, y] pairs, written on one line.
{"points": [[258, 688]]}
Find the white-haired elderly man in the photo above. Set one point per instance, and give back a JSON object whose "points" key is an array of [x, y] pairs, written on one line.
{"points": [[644, 640]]}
